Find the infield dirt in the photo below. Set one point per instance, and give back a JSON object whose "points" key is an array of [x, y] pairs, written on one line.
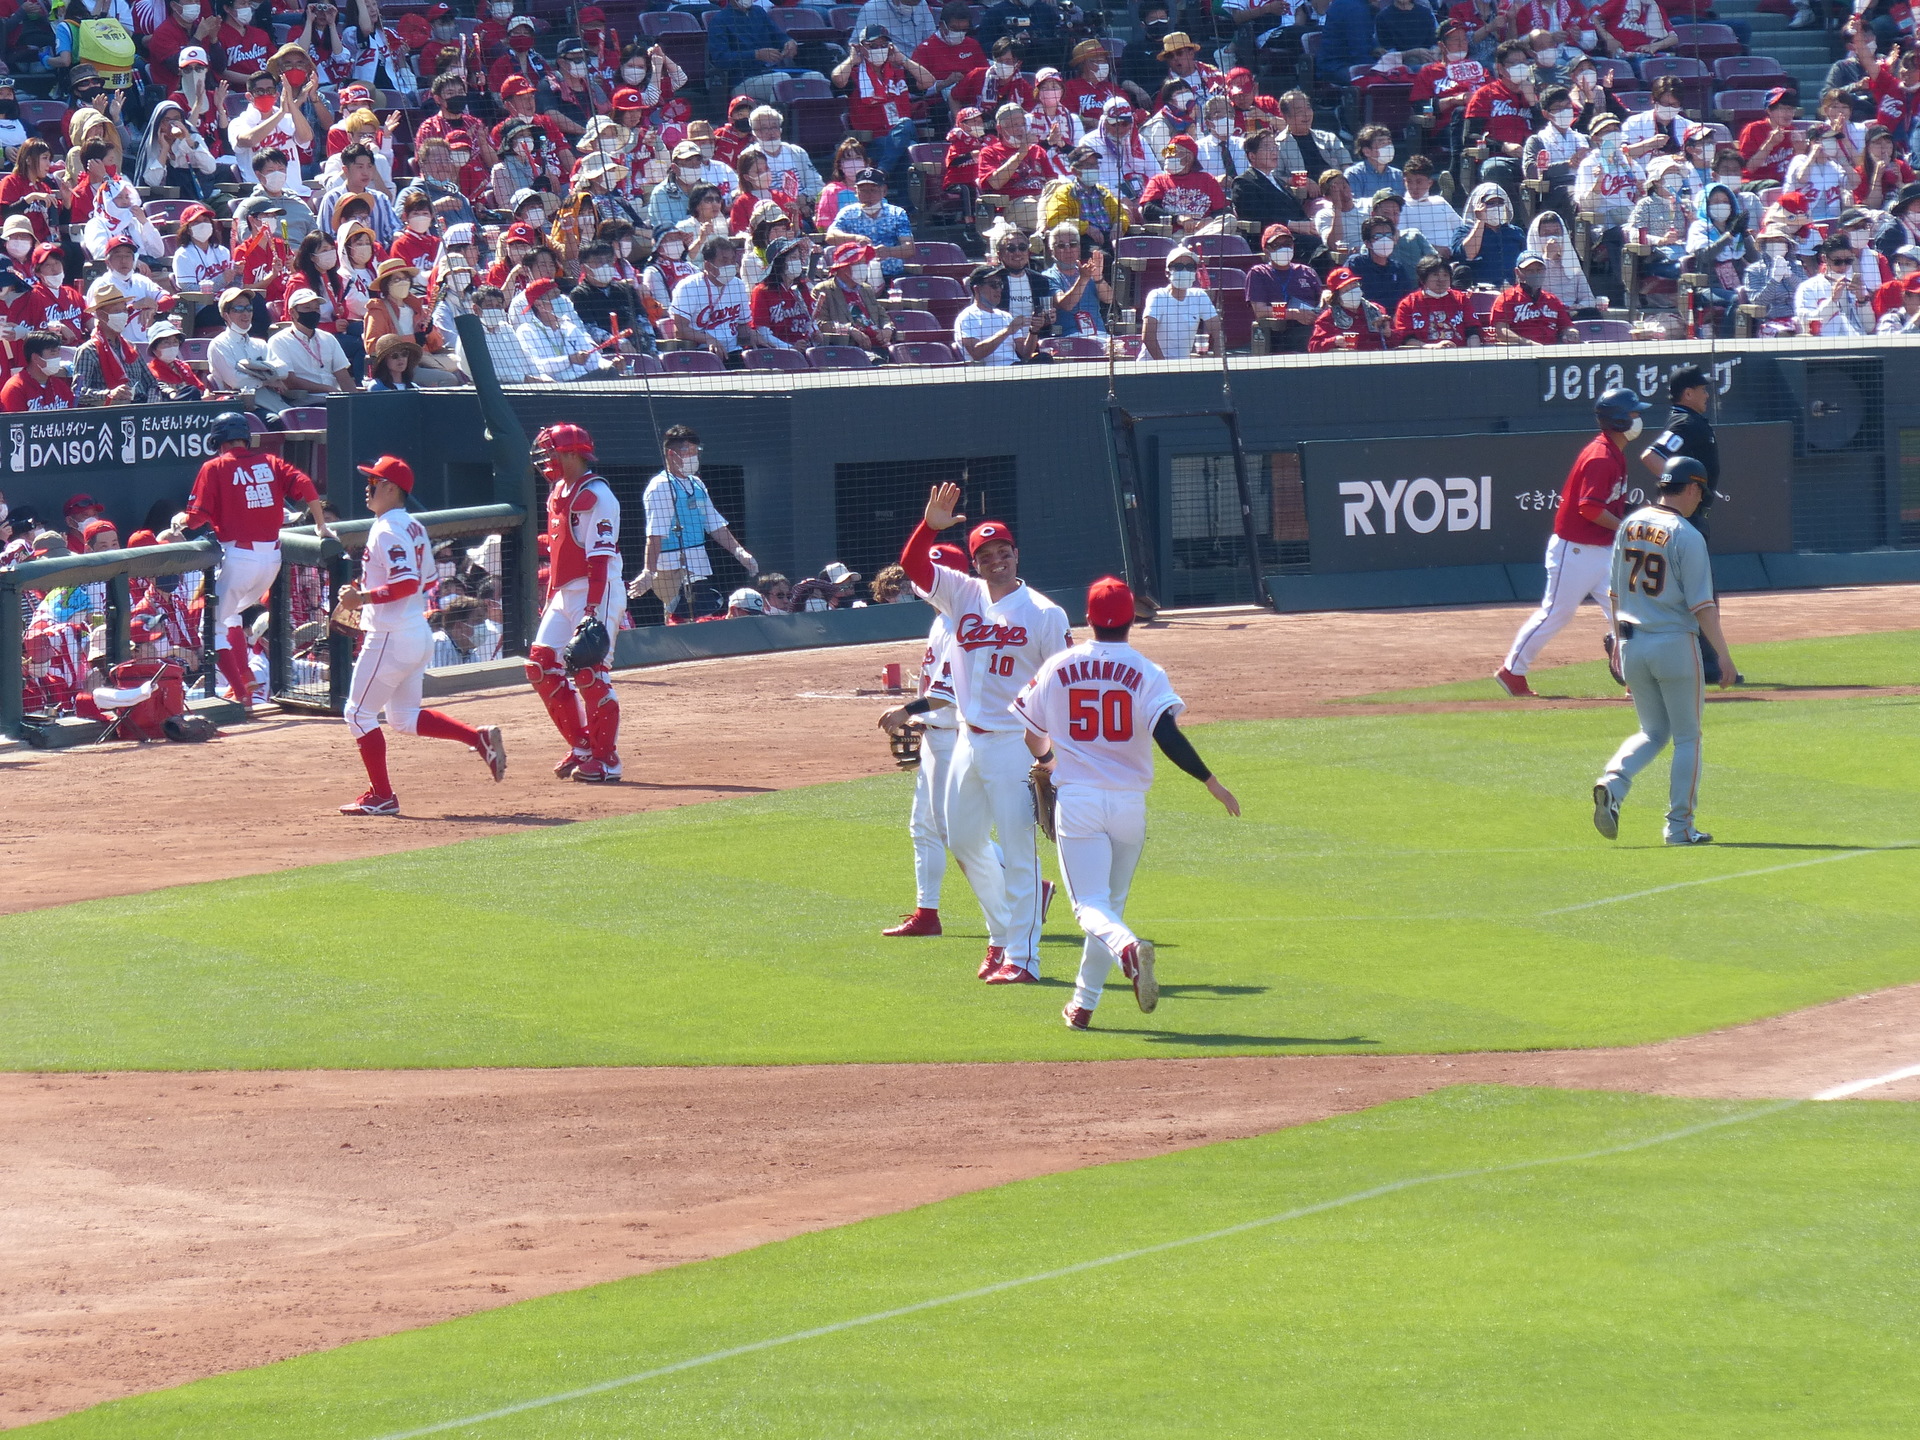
{"points": [[166, 1227]]}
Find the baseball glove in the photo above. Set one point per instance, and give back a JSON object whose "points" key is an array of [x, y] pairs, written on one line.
{"points": [[905, 745], [347, 619], [1040, 784], [1613, 660], [588, 647]]}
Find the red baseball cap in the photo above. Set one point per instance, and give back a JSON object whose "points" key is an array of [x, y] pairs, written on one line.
{"points": [[1793, 202], [1341, 279], [1109, 603], [851, 253], [514, 86], [1912, 286], [393, 468], [986, 533], [628, 98], [93, 528], [590, 14], [521, 232], [951, 556], [140, 539], [83, 501], [540, 289]]}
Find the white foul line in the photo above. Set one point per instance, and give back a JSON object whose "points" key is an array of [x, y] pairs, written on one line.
{"points": [[1854, 1087], [1390, 1188], [1737, 875]]}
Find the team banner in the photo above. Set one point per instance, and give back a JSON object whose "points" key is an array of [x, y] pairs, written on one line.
{"points": [[108, 439], [1409, 504]]}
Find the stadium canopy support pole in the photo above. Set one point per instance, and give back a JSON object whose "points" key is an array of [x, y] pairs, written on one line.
{"points": [[12, 678], [1124, 466], [512, 455]]}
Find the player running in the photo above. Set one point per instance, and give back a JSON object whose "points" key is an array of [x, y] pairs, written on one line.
{"points": [[928, 822], [1662, 593], [583, 580], [1093, 714], [1591, 506], [240, 496], [393, 660], [1002, 631]]}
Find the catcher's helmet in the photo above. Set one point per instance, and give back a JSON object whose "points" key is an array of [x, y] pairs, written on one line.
{"points": [[1682, 471], [1615, 409], [228, 426], [565, 438], [588, 647]]}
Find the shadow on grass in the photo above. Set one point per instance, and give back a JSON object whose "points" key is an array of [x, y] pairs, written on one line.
{"points": [[1785, 845], [1212, 991], [1175, 1037]]}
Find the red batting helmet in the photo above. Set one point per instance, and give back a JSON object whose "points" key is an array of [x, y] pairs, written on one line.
{"points": [[564, 439]]}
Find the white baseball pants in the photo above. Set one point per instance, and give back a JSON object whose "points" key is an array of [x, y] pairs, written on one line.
{"points": [[987, 792], [567, 607], [244, 578], [928, 824], [1573, 573], [1101, 834], [388, 675]]}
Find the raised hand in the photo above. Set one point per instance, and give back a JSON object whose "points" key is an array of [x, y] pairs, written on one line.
{"points": [[940, 511]]}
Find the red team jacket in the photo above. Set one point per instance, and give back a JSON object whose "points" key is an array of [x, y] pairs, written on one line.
{"points": [[1509, 119], [244, 494], [1541, 317], [1598, 481], [1423, 319]]}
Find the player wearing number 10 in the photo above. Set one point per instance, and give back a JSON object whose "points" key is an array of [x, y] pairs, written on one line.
{"points": [[1662, 593], [1093, 715]]}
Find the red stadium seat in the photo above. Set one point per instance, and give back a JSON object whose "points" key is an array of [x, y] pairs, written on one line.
{"points": [[1075, 347], [919, 322], [1740, 107], [691, 362], [945, 296], [1603, 332], [839, 357], [1753, 72], [924, 352], [775, 360], [1708, 43]]}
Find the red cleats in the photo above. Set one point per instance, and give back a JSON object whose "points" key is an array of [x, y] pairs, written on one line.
{"points": [[1076, 1018], [372, 803], [493, 750], [1515, 685], [1011, 974], [569, 763], [995, 958], [1136, 963], [596, 772], [921, 922]]}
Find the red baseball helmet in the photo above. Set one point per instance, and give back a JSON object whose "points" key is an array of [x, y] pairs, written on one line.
{"points": [[564, 439]]}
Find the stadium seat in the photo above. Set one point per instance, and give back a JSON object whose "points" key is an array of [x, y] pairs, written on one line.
{"points": [[802, 24], [775, 360], [1220, 245], [941, 257], [643, 364], [303, 417], [691, 362], [1708, 43], [1603, 332], [656, 23], [801, 87], [1144, 258], [838, 357], [945, 296], [1753, 72], [924, 352], [1695, 81], [1621, 70], [918, 322], [1075, 347], [1388, 105], [46, 117], [1740, 107]]}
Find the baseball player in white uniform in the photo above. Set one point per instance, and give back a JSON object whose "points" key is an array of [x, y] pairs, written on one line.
{"points": [[392, 662], [1002, 631], [1093, 715], [928, 824]]}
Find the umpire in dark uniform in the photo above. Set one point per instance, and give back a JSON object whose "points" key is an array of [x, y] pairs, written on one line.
{"points": [[1690, 433]]}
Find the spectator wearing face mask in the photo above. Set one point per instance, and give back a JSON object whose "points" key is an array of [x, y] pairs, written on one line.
{"points": [[781, 306], [1832, 302], [1284, 296], [1011, 164], [1182, 193], [1424, 211], [672, 198], [238, 361], [314, 362], [1085, 203], [1374, 171], [1772, 282], [272, 173], [1349, 321], [870, 220], [877, 76], [608, 306], [50, 303], [1410, 247], [666, 267], [1125, 162], [1662, 128], [1660, 219], [1609, 180], [950, 53], [1769, 146], [510, 360], [1904, 318], [1720, 248], [959, 171], [1175, 315], [1487, 242], [1566, 277], [1382, 281], [1527, 313], [556, 343], [1500, 117], [41, 383], [1448, 83], [107, 370], [1890, 294], [711, 306], [1554, 152], [1858, 225], [1434, 316], [999, 82], [1819, 174]]}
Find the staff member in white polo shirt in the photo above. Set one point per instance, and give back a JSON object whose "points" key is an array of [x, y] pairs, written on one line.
{"points": [[314, 361]]}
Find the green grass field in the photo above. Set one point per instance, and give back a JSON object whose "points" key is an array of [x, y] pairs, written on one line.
{"points": [[1889, 658], [1674, 1269], [1399, 883]]}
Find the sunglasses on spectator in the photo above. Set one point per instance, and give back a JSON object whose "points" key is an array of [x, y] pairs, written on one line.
{"points": [[1838, 263], [1016, 245]]}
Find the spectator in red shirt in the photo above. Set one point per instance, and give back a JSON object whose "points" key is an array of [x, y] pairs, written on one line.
{"points": [[452, 123], [875, 76], [1182, 193], [1251, 109], [1010, 163], [1892, 294], [520, 62], [1501, 115], [734, 136], [1882, 172], [29, 190], [1449, 83], [188, 22], [996, 83], [1634, 27], [42, 384], [1767, 147], [1349, 321], [51, 304], [781, 307], [517, 95], [1527, 313], [1092, 84], [1436, 316], [951, 53], [247, 46]]}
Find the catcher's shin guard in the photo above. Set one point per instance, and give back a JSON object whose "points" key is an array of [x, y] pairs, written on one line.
{"points": [[549, 680], [603, 712]]}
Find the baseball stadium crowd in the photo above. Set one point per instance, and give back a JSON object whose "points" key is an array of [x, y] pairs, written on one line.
{"points": [[280, 201]]}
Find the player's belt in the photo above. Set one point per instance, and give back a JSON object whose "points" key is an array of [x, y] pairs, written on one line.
{"points": [[255, 544]]}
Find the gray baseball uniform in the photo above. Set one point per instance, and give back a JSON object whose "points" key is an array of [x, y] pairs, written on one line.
{"points": [[1661, 579]]}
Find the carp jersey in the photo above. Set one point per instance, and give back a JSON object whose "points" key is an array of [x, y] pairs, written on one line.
{"points": [[397, 552], [1098, 703], [997, 645]]}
